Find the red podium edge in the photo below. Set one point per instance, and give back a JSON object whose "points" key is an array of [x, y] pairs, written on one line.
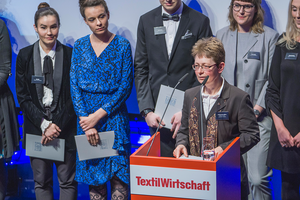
{"points": [[153, 159]]}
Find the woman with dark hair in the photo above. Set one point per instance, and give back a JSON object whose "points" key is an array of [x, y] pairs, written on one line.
{"points": [[101, 81], [249, 47], [47, 104], [282, 100], [9, 131]]}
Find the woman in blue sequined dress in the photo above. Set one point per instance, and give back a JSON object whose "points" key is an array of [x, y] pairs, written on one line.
{"points": [[101, 81]]}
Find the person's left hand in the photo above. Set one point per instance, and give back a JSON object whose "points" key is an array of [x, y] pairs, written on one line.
{"points": [[259, 108], [89, 122], [176, 123], [92, 136], [296, 140], [45, 139], [218, 151]]}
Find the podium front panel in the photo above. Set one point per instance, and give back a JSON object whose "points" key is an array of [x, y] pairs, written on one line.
{"points": [[173, 182]]}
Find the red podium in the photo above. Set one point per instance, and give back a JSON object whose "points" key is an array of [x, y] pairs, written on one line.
{"points": [[162, 178]]}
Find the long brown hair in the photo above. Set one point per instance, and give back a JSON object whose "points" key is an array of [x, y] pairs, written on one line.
{"points": [[258, 20]]}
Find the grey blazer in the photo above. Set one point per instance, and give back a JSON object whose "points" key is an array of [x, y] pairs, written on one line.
{"points": [[256, 71]]}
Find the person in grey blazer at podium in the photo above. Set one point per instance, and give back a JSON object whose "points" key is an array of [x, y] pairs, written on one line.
{"points": [[249, 47], [227, 110], [47, 105], [165, 36]]}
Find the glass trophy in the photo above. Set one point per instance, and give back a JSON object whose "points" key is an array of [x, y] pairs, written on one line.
{"points": [[208, 152]]}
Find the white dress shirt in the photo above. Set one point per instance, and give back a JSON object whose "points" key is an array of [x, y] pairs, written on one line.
{"points": [[210, 100], [171, 28], [48, 93]]}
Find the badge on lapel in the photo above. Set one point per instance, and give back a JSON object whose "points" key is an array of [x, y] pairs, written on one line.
{"points": [[222, 115], [291, 56], [254, 55], [37, 79], [160, 30], [187, 35]]}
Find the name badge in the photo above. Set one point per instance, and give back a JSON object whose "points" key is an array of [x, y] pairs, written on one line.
{"points": [[37, 79], [254, 55], [291, 56], [224, 115], [160, 30]]}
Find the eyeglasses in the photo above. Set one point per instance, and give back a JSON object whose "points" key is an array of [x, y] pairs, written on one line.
{"points": [[237, 7], [203, 67]]}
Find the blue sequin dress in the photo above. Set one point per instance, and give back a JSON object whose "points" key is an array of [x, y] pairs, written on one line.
{"points": [[103, 82]]}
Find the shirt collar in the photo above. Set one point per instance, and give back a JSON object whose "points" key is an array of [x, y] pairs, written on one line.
{"points": [[51, 53], [178, 12], [216, 95]]}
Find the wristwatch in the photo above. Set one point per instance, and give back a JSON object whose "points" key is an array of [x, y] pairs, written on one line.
{"points": [[145, 112], [256, 112]]}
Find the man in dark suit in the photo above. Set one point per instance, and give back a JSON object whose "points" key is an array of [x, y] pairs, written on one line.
{"points": [[165, 37], [227, 110], [60, 115]]}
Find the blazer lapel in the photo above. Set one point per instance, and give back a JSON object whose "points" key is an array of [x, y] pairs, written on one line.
{"points": [[181, 29], [57, 74], [230, 64], [250, 43], [161, 39], [203, 123], [38, 71]]}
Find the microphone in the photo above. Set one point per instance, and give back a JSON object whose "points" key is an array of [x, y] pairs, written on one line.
{"points": [[182, 78], [180, 81], [201, 109], [205, 80]]}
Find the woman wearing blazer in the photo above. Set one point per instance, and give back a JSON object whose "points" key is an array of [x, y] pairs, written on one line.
{"points": [[43, 91], [249, 47]]}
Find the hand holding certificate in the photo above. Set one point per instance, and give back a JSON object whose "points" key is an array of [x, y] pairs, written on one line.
{"points": [[174, 106], [103, 149], [53, 150]]}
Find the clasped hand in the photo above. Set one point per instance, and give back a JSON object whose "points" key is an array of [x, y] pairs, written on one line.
{"points": [[286, 139], [87, 124], [52, 132]]}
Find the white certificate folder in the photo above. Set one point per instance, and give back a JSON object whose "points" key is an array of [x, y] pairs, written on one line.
{"points": [[175, 105], [104, 149], [53, 150]]}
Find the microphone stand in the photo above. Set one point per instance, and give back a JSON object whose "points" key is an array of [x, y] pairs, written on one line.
{"points": [[180, 80], [201, 110]]}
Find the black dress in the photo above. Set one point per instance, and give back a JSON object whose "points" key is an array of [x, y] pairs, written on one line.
{"points": [[9, 131], [283, 98]]}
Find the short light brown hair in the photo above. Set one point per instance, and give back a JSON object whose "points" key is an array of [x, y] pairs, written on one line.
{"points": [[210, 48], [83, 4], [258, 20]]}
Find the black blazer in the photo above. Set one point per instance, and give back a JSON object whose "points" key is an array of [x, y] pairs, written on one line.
{"points": [[30, 95], [152, 66]]}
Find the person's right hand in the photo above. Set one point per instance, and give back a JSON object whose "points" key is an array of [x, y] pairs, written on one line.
{"points": [[180, 149], [92, 136], [297, 140], [153, 120], [285, 138], [52, 131]]}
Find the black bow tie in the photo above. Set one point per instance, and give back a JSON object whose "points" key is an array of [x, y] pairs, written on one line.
{"points": [[167, 17], [48, 72]]}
